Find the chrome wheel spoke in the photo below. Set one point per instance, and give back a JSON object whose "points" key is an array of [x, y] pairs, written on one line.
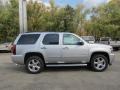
{"points": [[95, 62], [102, 62], [99, 66], [33, 61], [99, 63], [37, 62], [33, 68], [34, 65], [37, 67], [30, 65]]}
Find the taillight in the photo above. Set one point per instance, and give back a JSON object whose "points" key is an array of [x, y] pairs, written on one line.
{"points": [[13, 49]]}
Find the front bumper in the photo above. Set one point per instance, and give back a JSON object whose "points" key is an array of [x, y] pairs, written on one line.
{"points": [[18, 59], [112, 58]]}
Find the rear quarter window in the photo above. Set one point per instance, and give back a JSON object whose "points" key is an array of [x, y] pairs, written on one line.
{"points": [[28, 39]]}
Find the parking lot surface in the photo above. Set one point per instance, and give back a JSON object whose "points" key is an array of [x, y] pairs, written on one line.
{"points": [[14, 77]]}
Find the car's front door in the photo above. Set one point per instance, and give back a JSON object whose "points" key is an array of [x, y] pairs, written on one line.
{"points": [[71, 51]]}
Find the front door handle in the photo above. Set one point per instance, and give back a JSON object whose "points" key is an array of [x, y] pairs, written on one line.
{"points": [[65, 48], [43, 48]]}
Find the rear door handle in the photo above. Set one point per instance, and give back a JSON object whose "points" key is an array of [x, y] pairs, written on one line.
{"points": [[43, 48], [65, 48]]}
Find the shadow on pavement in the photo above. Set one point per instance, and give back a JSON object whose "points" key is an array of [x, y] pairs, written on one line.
{"points": [[68, 68], [53, 69], [5, 51]]}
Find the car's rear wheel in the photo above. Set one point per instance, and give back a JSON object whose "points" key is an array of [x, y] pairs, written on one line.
{"points": [[34, 64], [99, 62]]}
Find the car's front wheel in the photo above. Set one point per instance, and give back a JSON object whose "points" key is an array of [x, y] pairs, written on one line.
{"points": [[34, 64], [99, 62]]}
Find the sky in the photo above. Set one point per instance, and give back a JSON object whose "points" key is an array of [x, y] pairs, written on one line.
{"points": [[87, 3]]}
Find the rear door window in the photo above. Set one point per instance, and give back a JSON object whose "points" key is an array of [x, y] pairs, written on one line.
{"points": [[51, 39], [28, 39]]}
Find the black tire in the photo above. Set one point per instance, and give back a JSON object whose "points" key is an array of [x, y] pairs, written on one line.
{"points": [[38, 62], [96, 67]]}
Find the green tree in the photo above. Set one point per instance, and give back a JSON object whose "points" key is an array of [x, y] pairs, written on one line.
{"points": [[9, 21], [105, 20]]}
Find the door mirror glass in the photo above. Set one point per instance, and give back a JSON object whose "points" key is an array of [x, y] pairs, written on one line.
{"points": [[80, 43]]}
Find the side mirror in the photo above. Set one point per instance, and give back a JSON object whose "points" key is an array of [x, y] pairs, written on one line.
{"points": [[80, 43]]}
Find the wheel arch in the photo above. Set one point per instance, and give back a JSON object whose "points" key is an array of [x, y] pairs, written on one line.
{"points": [[101, 52], [27, 55]]}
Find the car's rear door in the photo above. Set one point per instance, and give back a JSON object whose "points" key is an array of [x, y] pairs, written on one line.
{"points": [[51, 47]]}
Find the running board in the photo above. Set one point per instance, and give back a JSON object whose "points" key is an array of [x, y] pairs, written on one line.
{"points": [[64, 65]]}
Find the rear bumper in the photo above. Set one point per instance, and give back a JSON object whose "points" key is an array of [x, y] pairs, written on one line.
{"points": [[18, 59], [112, 58]]}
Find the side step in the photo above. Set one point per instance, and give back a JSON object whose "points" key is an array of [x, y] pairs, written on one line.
{"points": [[64, 65]]}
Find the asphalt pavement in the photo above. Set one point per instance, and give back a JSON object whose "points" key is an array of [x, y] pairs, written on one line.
{"points": [[14, 77]]}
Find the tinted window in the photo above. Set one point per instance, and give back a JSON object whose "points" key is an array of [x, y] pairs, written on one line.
{"points": [[28, 39], [51, 39], [69, 39]]}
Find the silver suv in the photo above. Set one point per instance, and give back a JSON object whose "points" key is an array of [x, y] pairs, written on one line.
{"points": [[37, 50]]}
